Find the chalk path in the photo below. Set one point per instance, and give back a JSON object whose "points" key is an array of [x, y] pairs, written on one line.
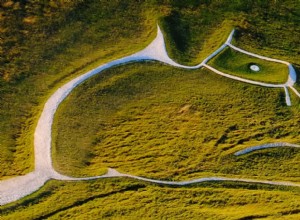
{"points": [[18, 187], [265, 146]]}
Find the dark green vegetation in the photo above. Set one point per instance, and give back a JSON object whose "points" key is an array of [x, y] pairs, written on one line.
{"points": [[271, 29], [235, 63], [129, 199], [167, 123], [46, 43]]}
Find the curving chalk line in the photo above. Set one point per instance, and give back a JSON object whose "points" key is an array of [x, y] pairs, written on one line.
{"points": [[265, 146]]}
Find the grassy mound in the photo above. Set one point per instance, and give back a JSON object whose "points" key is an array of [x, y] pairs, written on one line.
{"points": [[238, 64], [161, 122]]}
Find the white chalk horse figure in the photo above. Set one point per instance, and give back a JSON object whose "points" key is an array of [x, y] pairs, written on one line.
{"points": [[18, 187]]}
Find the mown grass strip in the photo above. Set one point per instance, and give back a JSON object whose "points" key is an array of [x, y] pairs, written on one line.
{"points": [[238, 64]]}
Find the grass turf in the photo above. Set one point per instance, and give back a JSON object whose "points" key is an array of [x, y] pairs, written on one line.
{"points": [[166, 123], [45, 44], [130, 199], [61, 42], [236, 63]]}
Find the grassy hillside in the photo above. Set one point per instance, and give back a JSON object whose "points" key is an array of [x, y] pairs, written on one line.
{"points": [[129, 199], [271, 29], [265, 27], [47, 43], [60, 42], [44, 44]]}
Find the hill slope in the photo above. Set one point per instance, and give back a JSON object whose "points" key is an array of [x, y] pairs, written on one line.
{"points": [[45, 44]]}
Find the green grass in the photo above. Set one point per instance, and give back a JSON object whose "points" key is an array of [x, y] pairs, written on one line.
{"points": [[166, 123], [46, 44], [271, 35], [264, 27], [79, 36], [130, 199], [186, 42], [236, 63]]}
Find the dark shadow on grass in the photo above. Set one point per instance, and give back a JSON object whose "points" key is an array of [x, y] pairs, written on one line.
{"points": [[27, 202], [177, 31], [297, 68], [290, 212], [81, 202]]}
